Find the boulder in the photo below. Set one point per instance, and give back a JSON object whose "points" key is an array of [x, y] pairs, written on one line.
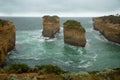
{"points": [[74, 33], [7, 39], [51, 25], [108, 26]]}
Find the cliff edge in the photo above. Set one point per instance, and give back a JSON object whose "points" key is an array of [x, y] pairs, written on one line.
{"points": [[7, 39], [109, 26], [74, 33]]}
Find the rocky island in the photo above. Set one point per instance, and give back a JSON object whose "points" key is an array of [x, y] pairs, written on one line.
{"points": [[7, 39], [74, 33], [51, 25], [108, 26]]}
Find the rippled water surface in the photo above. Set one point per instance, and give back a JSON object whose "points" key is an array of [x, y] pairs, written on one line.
{"points": [[32, 48]]}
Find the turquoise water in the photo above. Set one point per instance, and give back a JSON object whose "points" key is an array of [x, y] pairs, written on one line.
{"points": [[32, 48]]}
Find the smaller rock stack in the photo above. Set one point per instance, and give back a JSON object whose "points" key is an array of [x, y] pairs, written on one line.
{"points": [[74, 33], [7, 39], [51, 25]]}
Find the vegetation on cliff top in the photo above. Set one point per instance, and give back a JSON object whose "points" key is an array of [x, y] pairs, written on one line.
{"points": [[72, 24], [2, 22], [51, 18], [115, 19], [108, 74], [24, 68], [47, 69]]}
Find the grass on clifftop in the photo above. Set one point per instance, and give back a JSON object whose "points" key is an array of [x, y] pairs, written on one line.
{"points": [[112, 19], [2, 22], [51, 18], [72, 24], [24, 68], [47, 69]]}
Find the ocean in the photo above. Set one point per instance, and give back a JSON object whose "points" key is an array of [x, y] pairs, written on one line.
{"points": [[33, 49]]}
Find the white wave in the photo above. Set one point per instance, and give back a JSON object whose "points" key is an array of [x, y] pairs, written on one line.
{"points": [[89, 30], [68, 62], [88, 45], [85, 65], [114, 43], [29, 36], [94, 57], [90, 22]]}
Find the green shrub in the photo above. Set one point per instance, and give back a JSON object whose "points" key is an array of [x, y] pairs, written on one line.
{"points": [[67, 76], [2, 70], [72, 24], [112, 19], [12, 77], [18, 68], [46, 69], [93, 72], [2, 22], [28, 78]]}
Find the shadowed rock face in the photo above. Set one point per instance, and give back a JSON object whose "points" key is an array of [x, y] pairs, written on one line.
{"points": [[74, 33], [7, 39], [51, 25], [110, 30]]}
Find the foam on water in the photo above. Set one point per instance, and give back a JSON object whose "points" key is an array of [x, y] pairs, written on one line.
{"points": [[32, 48]]}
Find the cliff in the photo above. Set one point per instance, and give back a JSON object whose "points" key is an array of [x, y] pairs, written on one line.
{"points": [[51, 25], [109, 26], [7, 39], [74, 33]]}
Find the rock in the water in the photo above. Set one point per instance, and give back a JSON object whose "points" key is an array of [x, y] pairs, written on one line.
{"points": [[109, 26], [51, 25], [7, 39], [74, 33]]}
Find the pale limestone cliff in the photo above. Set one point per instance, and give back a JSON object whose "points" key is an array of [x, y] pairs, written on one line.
{"points": [[74, 33], [7, 39], [107, 28], [51, 25]]}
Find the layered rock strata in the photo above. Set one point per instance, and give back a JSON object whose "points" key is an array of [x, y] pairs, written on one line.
{"points": [[74, 33], [7, 39], [108, 26], [51, 25]]}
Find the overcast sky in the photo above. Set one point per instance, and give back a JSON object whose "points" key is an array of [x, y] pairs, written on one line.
{"points": [[59, 7]]}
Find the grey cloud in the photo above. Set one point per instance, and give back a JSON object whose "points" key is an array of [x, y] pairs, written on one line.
{"points": [[54, 6]]}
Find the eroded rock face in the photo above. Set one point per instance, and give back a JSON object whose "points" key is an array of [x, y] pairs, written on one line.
{"points": [[7, 39], [107, 28], [74, 33], [51, 25]]}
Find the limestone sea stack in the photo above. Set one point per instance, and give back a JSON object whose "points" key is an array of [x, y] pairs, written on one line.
{"points": [[7, 39], [108, 26], [74, 33], [51, 25]]}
